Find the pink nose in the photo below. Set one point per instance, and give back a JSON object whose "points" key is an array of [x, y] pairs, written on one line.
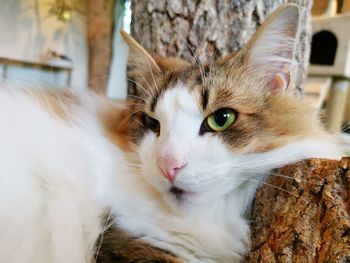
{"points": [[170, 167]]}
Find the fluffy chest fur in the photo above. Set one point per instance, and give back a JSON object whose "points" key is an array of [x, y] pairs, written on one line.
{"points": [[59, 177]]}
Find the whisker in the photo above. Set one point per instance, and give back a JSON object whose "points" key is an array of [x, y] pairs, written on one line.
{"points": [[142, 76], [259, 182], [192, 52], [148, 64], [345, 127], [133, 114], [107, 224], [137, 97]]}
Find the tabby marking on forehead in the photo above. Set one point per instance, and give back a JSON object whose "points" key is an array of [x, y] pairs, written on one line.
{"points": [[205, 98], [154, 101], [204, 71]]}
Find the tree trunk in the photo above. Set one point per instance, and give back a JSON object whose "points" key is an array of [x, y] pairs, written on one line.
{"points": [[100, 36], [306, 218], [206, 29]]}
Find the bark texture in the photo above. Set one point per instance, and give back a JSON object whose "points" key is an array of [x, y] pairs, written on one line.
{"points": [[306, 218], [205, 29], [100, 36]]}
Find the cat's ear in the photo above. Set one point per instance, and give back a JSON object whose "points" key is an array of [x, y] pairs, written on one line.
{"points": [[139, 60], [270, 53]]}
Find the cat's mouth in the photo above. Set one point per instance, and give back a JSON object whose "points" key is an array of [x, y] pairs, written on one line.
{"points": [[177, 192], [180, 194], [182, 197]]}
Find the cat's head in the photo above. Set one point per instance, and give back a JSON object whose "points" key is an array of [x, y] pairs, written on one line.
{"points": [[196, 127]]}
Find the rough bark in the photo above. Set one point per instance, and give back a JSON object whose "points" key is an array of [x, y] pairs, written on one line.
{"points": [[100, 36], [306, 217], [207, 29]]}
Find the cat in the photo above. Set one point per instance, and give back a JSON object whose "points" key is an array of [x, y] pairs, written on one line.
{"points": [[175, 168]]}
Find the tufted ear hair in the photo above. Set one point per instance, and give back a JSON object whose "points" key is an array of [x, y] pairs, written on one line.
{"points": [[270, 52], [141, 67], [139, 59]]}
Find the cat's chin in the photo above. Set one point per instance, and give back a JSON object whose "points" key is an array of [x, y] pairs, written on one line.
{"points": [[182, 199]]}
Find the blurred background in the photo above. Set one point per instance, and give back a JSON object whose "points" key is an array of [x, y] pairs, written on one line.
{"points": [[47, 43], [76, 44]]}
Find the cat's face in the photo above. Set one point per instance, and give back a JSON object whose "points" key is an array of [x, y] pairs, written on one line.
{"points": [[184, 158], [196, 126], [194, 132]]}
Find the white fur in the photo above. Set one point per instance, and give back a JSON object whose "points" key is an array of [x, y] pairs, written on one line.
{"points": [[57, 177], [47, 211]]}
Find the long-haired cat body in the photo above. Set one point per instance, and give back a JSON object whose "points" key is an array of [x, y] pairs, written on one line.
{"points": [[177, 168]]}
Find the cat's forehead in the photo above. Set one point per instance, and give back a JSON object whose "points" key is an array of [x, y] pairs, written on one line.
{"points": [[178, 99], [207, 88]]}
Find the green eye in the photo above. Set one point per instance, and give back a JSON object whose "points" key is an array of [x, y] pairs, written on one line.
{"points": [[220, 120]]}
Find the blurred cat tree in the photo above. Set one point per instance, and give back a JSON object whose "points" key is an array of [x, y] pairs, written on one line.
{"points": [[330, 57], [63, 9], [107, 54], [100, 37], [100, 19]]}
